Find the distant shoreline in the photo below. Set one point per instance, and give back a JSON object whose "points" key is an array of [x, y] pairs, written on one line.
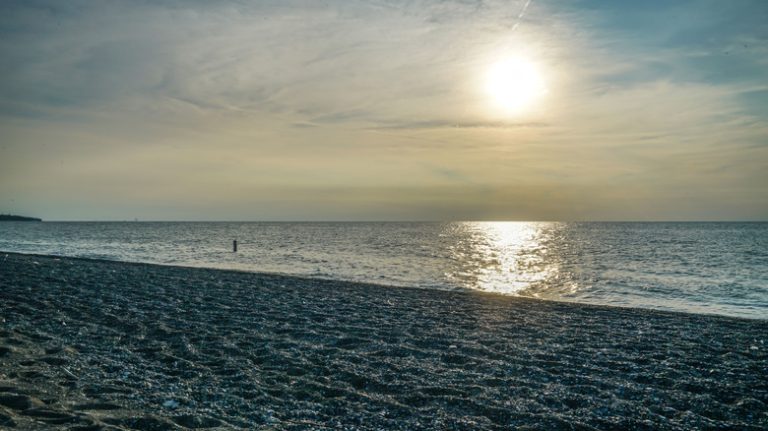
{"points": [[11, 217]]}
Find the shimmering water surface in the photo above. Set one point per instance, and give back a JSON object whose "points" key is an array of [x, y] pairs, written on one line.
{"points": [[719, 268]]}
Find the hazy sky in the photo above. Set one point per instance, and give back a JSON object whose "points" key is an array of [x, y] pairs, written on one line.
{"points": [[379, 110]]}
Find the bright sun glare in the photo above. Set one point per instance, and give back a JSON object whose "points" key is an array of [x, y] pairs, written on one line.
{"points": [[515, 84]]}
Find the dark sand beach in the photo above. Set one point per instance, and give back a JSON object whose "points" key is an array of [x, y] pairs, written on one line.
{"points": [[92, 345]]}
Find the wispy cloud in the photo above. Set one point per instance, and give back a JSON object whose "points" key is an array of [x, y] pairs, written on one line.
{"points": [[265, 103]]}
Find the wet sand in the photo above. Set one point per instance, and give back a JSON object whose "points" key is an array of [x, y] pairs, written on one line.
{"points": [[92, 345]]}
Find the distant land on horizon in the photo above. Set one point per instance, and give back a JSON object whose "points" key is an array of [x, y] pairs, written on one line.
{"points": [[11, 217]]}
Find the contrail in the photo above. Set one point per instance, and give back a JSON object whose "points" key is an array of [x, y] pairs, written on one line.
{"points": [[520, 15]]}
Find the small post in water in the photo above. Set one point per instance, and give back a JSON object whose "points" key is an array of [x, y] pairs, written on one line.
{"points": [[234, 246]]}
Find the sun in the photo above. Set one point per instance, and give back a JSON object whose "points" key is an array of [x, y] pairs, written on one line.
{"points": [[515, 84]]}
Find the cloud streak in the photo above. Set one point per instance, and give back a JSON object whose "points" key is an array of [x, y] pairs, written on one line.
{"points": [[243, 105]]}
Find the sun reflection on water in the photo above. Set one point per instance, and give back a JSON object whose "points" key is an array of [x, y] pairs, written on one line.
{"points": [[507, 257]]}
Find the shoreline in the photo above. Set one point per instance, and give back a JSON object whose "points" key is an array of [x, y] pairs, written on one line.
{"points": [[301, 278], [90, 344]]}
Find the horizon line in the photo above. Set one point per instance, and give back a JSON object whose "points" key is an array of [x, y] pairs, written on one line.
{"points": [[406, 221]]}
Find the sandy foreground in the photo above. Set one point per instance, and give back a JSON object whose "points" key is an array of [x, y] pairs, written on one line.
{"points": [[95, 345]]}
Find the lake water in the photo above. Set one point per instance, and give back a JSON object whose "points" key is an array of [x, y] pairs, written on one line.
{"points": [[718, 268]]}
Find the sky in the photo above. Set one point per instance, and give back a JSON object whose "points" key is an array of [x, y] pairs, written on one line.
{"points": [[382, 110]]}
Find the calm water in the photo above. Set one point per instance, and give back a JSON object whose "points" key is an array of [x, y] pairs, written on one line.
{"points": [[717, 268]]}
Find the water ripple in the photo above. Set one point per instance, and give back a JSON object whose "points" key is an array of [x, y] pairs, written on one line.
{"points": [[717, 268]]}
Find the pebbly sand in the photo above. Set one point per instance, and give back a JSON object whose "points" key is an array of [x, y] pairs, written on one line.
{"points": [[95, 345]]}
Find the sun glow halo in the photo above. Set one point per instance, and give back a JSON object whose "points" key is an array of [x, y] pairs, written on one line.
{"points": [[515, 84]]}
